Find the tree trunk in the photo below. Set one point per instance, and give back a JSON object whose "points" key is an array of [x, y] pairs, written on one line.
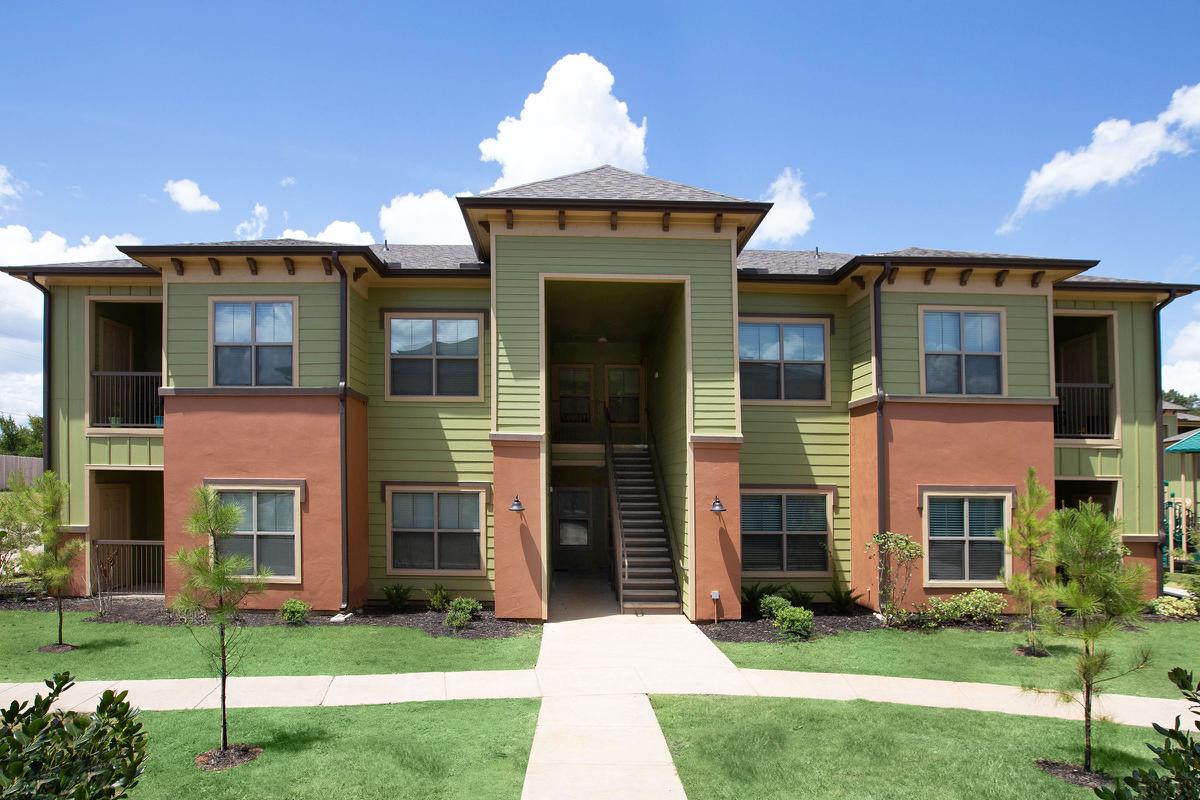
{"points": [[1087, 716], [60, 618], [224, 675]]}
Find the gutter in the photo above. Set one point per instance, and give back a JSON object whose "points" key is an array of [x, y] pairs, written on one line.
{"points": [[46, 374], [342, 336], [1160, 467], [880, 398]]}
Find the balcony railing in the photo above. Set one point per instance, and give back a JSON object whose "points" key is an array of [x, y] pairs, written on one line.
{"points": [[127, 566], [126, 400], [1084, 411]]}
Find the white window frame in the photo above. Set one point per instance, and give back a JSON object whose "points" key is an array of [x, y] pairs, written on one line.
{"points": [[435, 490], [297, 499], [962, 354], [779, 322], [966, 494], [213, 300], [784, 492], [433, 315]]}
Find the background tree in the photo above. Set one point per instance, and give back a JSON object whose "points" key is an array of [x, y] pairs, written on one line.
{"points": [[1100, 595], [1189, 401], [215, 585], [21, 440], [38, 505], [1030, 543], [16, 534]]}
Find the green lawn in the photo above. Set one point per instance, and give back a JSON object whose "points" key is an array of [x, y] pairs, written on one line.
{"points": [[983, 657], [109, 651], [742, 747], [463, 749]]}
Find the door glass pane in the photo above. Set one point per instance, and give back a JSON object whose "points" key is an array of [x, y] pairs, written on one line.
{"points": [[458, 550], [458, 337], [458, 377], [242, 546], [758, 341], [807, 553], [232, 366], [412, 510], [759, 381], [804, 381], [981, 332], [573, 533], [231, 323], [412, 337], [986, 560], [412, 550], [243, 501], [941, 374], [458, 510], [946, 516], [761, 552], [412, 377], [946, 561], [277, 554], [573, 503], [276, 511], [804, 342], [762, 512], [274, 366], [273, 322], [983, 374], [941, 332]]}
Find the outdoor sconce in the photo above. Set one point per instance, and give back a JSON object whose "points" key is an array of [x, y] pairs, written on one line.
{"points": [[517, 505], [718, 507]]}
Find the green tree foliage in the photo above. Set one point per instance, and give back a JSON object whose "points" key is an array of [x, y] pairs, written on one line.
{"points": [[50, 754], [38, 506], [1189, 401], [214, 586], [16, 533], [898, 554], [1030, 542], [21, 440]]}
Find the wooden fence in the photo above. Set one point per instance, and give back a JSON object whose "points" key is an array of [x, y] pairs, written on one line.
{"points": [[10, 465]]}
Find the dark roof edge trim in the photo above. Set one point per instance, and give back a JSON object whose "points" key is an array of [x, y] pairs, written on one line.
{"points": [[67, 269], [1118, 285], [610, 205], [151, 250], [984, 261]]}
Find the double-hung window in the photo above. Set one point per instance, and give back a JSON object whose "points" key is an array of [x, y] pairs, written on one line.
{"points": [[963, 352], [784, 361], [624, 394], [253, 342], [785, 533], [965, 538], [268, 533], [434, 356], [575, 395], [435, 530]]}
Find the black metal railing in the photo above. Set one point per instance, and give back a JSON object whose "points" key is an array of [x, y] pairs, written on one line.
{"points": [[127, 566], [1084, 411], [126, 400], [620, 563]]}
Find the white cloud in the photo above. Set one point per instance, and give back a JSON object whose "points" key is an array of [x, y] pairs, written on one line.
{"points": [[10, 189], [287, 181], [253, 228], [338, 231], [791, 216], [187, 195], [573, 123], [22, 393], [1181, 366], [1119, 149], [429, 218]]}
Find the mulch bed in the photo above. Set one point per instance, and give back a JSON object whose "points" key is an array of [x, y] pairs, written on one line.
{"points": [[217, 759], [1074, 774], [825, 623]]}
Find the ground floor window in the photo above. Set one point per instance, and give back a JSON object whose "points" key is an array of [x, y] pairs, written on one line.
{"points": [[574, 517], [785, 533], [965, 537], [436, 530], [268, 534]]}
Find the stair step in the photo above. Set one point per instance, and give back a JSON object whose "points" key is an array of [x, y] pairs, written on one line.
{"points": [[649, 583], [647, 561], [654, 606], [649, 594]]}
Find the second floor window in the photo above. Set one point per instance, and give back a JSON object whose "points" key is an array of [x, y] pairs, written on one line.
{"points": [[433, 356], [624, 394], [783, 361], [963, 353], [575, 395], [253, 343]]}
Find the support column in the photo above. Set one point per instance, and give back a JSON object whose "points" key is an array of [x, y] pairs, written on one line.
{"points": [[717, 538], [518, 538]]}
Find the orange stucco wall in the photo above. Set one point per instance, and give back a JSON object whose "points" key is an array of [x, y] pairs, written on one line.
{"points": [[864, 503], [718, 541], [260, 437], [517, 537], [1145, 554], [357, 499]]}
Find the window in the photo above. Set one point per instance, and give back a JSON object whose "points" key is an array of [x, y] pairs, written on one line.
{"points": [[575, 395], [574, 517], [435, 531], [268, 532], [624, 394], [963, 353], [965, 541], [253, 342], [785, 532], [783, 361], [434, 356]]}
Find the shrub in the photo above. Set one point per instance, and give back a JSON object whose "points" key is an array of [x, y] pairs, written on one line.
{"points": [[752, 595], [437, 597], [897, 554], [794, 622], [938, 612], [980, 605], [48, 753], [797, 598], [843, 599], [1177, 607], [770, 606], [461, 611], [294, 611], [397, 595]]}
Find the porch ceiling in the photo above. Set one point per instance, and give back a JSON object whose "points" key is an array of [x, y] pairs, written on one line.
{"points": [[584, 311]]}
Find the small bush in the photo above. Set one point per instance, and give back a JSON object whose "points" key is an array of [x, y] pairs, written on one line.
{"points": [[397, 595], [843, 599], [437, 597], [798, 598], [461, 611], [940, 612], [752, 595], [294, 611], [770, 606], [980, 605], [1176, 607], [794, 622]]}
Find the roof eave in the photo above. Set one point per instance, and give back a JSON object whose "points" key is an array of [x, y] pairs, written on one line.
{"points": [[166, 251], [68, 269]]}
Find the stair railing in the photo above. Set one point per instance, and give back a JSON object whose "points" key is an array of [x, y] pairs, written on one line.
{"points": [[620, 562], [660, 486]]}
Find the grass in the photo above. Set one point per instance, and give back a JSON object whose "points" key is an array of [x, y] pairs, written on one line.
{"points": [[727, 747], [111, 651], [979, 656], [462, 749]]}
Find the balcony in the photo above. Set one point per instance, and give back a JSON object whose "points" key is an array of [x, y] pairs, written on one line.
{"points": [[1084, 411], [126, 400]]}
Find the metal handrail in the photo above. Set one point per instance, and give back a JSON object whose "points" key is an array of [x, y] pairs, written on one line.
{"points": [[620, 562], [1084, 410], [131, 398], [127, 566], [660, 486]]}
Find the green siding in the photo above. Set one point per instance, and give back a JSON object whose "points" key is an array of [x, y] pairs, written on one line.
{"points": [[520, 259], [805, 445], [358, 341], [187, 329], [1027, 339], [125, 451], [1136, 459], [419, 441], [862, 365]]}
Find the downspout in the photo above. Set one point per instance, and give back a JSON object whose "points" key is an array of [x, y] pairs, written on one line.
{"points": [[1160, 468], [342, 336], [881, 458], [45, 368]]}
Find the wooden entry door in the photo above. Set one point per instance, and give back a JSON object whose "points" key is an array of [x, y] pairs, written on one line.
{"points": [[111, 511], [578, 541]]}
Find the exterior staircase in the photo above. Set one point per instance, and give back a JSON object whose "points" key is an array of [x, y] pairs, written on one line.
{"points": [[646, 574]]}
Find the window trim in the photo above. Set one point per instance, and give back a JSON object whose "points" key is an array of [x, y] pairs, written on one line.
{"points": [[921, 354], [431, 314], [591, 372], [213, 299], [1113, 442], [966, 493], [274, 486], [641, 393], [830, 493], [436, 488], [825, 321]]}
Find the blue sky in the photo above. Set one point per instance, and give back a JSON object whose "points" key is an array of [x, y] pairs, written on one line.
{"points": [[902, 124]]}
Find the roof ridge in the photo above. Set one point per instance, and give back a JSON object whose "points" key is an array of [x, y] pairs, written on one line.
{"points": [[552, 178]]}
